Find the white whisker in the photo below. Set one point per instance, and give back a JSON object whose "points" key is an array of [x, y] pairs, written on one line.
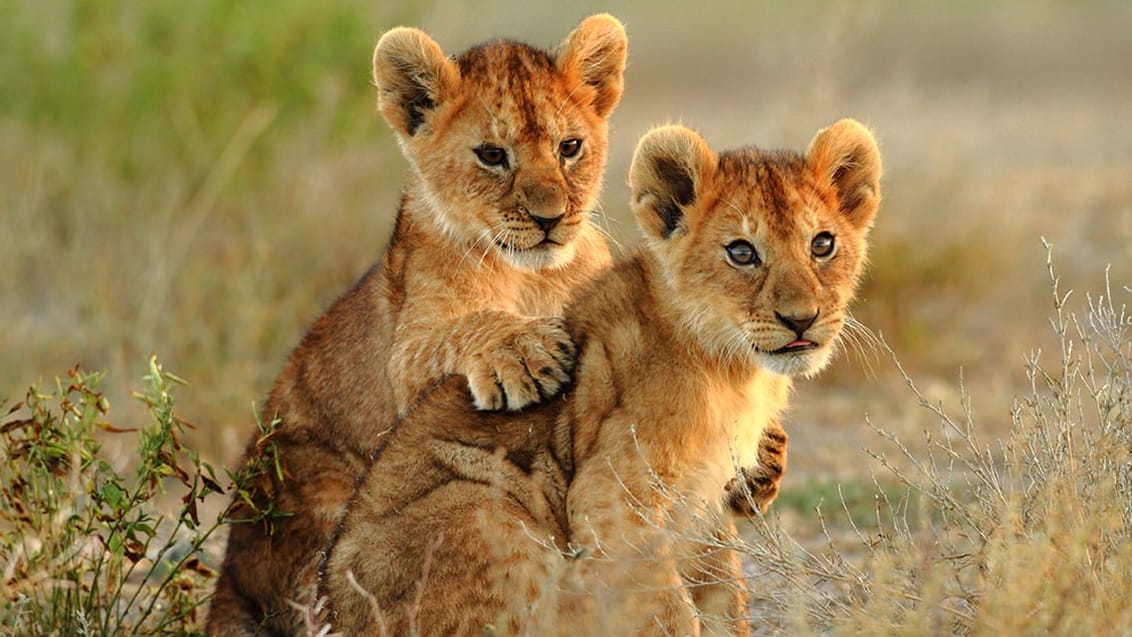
{"points": [[487, 243], [496, 240], [737, 349], [861, 341], [475, 244], [603, 228]]}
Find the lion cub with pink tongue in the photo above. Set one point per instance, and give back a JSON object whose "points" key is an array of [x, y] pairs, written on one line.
{"points": [[600, 512]]}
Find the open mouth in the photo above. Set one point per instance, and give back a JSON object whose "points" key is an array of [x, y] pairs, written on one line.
{"points": [[796, 346]]}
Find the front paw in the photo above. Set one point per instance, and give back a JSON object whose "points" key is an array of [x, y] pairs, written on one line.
{"points": [[524, 368], [751, 492], [754, 488]]}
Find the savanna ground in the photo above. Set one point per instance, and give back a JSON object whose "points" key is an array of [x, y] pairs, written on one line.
{"points": [[200, 180]]}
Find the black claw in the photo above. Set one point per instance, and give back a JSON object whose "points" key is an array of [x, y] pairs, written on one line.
{"points": [[502, 393], [534, 379], [537, 387]]}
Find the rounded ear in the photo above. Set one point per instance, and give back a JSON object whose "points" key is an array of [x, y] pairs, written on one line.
{"points": [[412, 76], [667, 177], [594, 55], [845, 157]]}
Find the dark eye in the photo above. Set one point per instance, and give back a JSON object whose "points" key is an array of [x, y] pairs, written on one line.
{"points": [[570, 148], [491, 155], [822, 245], [742, 253]]}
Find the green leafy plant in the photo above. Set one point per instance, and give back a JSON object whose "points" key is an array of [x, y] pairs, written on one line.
{"points": [[254, 483], [86, 548]]}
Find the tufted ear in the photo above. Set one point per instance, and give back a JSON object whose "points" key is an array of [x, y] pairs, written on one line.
{"points": [[667, 176], [594, 55], [845, 156], [413, 76]]}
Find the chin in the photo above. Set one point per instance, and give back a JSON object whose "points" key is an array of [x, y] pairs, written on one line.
{"points": [[805, 364], [538, 258]]}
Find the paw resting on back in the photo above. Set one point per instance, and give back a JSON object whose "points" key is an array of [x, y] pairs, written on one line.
{"points": [[522, 368]]}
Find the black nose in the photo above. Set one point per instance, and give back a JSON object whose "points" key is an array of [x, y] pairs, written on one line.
{"points": [[546, 224], [798, 324]]}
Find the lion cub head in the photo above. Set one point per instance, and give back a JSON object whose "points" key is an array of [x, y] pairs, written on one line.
{"points": [[507, 142], [761, 251]]}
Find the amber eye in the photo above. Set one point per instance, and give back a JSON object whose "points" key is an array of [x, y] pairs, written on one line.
{"points": [[570, 148], [492, 156], [742, 253], [822, 245]]}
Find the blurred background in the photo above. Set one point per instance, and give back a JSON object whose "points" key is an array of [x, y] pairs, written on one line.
{"points": [[200, 180]]}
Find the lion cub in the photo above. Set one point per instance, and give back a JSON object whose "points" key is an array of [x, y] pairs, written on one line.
{"points": [[597, 512], [507, 147]]}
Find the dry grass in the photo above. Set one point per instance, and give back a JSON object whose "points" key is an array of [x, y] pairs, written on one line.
{"points": [[200, 181], [1027, 534]]}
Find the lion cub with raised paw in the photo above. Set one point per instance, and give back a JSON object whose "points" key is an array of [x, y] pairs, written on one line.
{"points": [[507, 146], [599, 512]]}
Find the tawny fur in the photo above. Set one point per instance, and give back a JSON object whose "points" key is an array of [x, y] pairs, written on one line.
{"points": [[597, 512], [482, 259]]}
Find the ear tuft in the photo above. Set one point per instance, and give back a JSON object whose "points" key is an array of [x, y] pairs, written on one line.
{"points": [[845, 156], [413, 76], [667, 177], [594, 55]]}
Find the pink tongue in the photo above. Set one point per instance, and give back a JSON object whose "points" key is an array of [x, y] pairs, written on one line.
{"points": [[798, 343]]}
